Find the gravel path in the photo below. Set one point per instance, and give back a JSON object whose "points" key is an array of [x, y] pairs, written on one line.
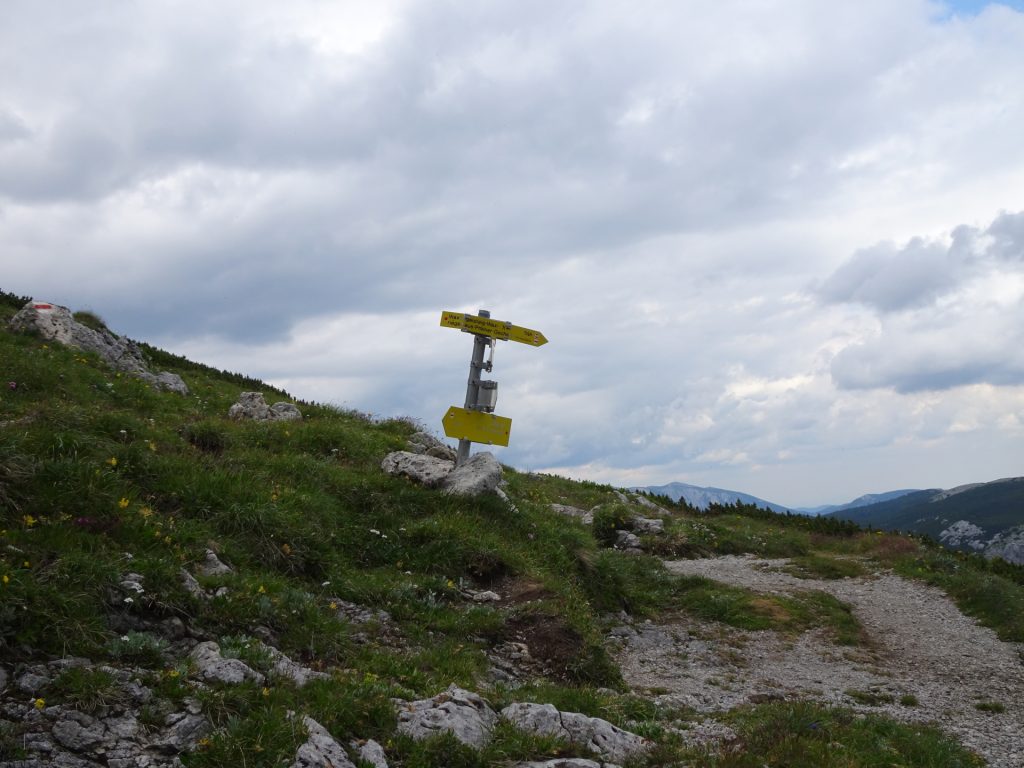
{"points": [[919, 645]]}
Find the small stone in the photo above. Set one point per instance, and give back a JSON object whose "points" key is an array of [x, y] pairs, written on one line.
{"points": [[214, 667], [212, 565]]}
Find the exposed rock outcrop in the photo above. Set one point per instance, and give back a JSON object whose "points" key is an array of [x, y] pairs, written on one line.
{"points": [[462, 713], [478, 474], [320, 749], [428, 471], [252, 406], [422, 442], [213, 667], [57, 323], [596, 734]]}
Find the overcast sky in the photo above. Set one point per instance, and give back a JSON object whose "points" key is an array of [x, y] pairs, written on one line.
{"points": [[776, 246]]}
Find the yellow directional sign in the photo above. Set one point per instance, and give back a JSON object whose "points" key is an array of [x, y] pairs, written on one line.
{"points": [[477, 426], [496, 329]]}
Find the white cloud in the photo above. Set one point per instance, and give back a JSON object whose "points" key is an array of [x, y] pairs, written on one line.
{"points": [[297, 190]]}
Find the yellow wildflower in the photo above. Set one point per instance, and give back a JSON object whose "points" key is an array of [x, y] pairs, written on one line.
{"points": [[146, 512], [167, 539], [334, 605], [266, 691], [112, 461], [39, 703], [261, 590], [123, 503], [152, 446], [6, 579], [173, 673], [26, 564], [28, 520]]}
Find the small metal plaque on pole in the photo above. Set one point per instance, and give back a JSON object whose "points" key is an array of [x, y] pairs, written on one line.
{"points": [[476, 422]]}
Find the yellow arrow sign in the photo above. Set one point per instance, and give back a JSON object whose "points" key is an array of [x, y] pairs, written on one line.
{"points": [[496, 329], [476, 426]]}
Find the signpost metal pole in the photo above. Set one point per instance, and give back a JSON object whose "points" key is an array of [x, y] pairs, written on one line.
{"points": [[476, 365]]}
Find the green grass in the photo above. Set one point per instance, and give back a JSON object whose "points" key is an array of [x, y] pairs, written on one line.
{"points": [[804, 735], [822, 566], [100, 476]]}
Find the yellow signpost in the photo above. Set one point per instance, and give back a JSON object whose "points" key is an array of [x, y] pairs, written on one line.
{"points": [[477, 427], [495, 329], [476, 423]]}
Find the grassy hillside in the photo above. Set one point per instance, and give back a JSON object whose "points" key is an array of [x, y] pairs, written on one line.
{"points": [[102, 476]]}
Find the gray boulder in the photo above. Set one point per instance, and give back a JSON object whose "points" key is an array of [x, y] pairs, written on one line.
{"points": [[211, 666], [608, 741], [285, 668], [585, 517], [252, 406], [320, 749], [212, 565], [465, 715], [56, 323], [648, 525], [427, 444], [626, 540], [479, 474], [371, 752], [425, 470]]}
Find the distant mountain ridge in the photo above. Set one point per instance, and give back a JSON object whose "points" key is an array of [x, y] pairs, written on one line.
{"points": [[702, 498], [987, 518], [860, 501]]}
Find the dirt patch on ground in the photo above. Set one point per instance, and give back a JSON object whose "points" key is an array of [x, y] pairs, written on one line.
{"points": [[553, 645], [921, 649], [518, 591]]}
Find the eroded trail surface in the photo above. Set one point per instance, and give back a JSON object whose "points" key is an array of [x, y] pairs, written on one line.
{"points": [[919, 644]]}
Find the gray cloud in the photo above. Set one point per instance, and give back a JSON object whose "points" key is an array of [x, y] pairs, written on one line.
{"points": [[296, 190]]}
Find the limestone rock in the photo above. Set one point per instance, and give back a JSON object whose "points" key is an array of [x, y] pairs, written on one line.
{"points": [[56, 323], [292, 670], [565, 762], [183, 732], [626, 540], [427, 444], [591, 732], [585, 517], [285, 411], [648, 525], [252, 406], [371, 752], [465, 715], [479, 474], [212, 565], [214, 667], [643, 501], [320, 749], [192, 586], [78, 732], [425, 470]]}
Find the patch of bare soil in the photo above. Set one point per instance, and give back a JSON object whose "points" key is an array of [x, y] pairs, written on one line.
{"points": [[919, 645]]}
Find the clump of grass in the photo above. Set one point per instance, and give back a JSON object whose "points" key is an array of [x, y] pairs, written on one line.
{"points": [[87, 689], [870, 698], [807, 735], [909, 700], [138, 648], [90, 319], [609, 519], [820, 566], [995, 707]]}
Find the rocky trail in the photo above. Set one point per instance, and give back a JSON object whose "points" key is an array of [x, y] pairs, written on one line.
{"points": [[918, 645]]}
